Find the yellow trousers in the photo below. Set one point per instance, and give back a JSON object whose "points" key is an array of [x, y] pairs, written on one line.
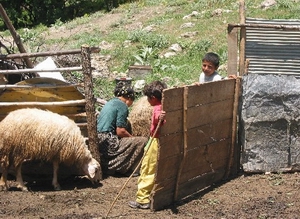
{"points": [[147, 173]]}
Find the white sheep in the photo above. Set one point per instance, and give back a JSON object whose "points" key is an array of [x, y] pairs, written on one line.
{"points": [[34, 134]]}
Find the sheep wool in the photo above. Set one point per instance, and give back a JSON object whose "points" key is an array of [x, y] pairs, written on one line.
{"points": [[34, 134]]}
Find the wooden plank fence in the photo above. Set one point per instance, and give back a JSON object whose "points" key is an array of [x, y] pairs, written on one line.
{"points": [[198, 141]]}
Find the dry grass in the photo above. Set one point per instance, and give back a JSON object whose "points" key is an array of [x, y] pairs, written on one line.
{"points": [[140, 117]]}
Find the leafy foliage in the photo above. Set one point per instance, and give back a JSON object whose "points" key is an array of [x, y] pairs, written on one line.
{"points": [[28, 13], [145, 56], [149, 39]]}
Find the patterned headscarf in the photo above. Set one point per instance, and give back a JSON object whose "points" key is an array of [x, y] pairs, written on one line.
{"points": [[123, 89]]}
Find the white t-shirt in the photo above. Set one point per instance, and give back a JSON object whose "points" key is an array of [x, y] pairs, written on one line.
{"points": [[214, 77]]}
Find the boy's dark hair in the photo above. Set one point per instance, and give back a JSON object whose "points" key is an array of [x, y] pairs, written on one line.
{"points": [[122, 89], [154, 89], [213, 58]]}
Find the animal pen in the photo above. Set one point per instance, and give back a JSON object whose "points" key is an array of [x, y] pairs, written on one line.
{"points": [[48, 93], [55, 95]]}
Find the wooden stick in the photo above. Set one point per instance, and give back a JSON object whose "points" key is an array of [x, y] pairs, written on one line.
{"points": [[84, 124], [138, 166], [19, 71], [234, 125], [232, 39], [16, 36], [90, 103], [49, 53], [185, 145], [101, 101], [242, 39], [247, 63], [58, 103], [274, 26]]}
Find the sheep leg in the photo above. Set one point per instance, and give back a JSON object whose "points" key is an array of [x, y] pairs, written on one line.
{"points": [[55, 172], [19, 179], [3, 180]]}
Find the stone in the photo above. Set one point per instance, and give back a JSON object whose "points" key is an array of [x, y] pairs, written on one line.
{"points": [[269, 128]]}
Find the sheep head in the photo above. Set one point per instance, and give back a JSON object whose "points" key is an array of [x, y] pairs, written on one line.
{"points": [[93, 171]]}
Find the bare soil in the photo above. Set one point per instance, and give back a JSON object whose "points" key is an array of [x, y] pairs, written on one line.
{"points": [[246, 196]]}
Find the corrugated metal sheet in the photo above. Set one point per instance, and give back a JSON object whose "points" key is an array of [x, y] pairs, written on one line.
{"points": [[271, 50]]}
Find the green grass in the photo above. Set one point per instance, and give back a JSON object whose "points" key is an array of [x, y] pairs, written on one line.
{"points": [[167, 18]]}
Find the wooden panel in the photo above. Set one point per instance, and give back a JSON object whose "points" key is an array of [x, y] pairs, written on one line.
{"points": [[161, 198], [165, 184], [167, 168], [56, 98], [207, 154], [190, 187], [57, 109], [190, 174], [172, 99], [209, 133], [195, 141], [205, 159], [170, 145], [38, 93], [210, 92], [173, 123], [47, 94], [209, 113]]}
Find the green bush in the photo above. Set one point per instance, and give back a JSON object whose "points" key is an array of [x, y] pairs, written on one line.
{"points": [[29, 13]]}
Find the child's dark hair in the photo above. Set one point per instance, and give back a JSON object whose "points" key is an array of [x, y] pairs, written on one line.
{"points": [[213, 58], [122, 89], [154, 89]]}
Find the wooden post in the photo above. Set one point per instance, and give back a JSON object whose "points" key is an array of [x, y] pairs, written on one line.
{"points": [[16, 36], [242, 38], [232, 167], [183, 157], [232, 39], [90, 102]]}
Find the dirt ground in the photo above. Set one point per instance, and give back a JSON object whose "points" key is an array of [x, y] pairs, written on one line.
{"points": [[246, 196]]}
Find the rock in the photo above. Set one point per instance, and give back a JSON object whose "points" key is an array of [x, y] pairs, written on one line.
{"points": [[105, 45], [189, 34], [267, 4], [169, 54], [187, 25], [175, 47], [193, 14], [269, 125], [149, 28]]}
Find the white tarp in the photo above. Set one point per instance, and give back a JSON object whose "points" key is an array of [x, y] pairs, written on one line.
{"points": [[46, 65]]}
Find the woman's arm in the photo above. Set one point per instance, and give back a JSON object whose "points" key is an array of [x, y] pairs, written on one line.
{"points": [[122, 132]]}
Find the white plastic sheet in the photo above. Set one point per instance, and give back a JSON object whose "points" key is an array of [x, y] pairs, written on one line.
{"points": [[46, 65]]}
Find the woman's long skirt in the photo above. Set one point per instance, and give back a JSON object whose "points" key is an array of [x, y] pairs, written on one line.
{"points": [[120, 155]]}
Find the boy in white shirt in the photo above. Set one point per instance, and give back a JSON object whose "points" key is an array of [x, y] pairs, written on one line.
{"points": [[210, 64]]}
